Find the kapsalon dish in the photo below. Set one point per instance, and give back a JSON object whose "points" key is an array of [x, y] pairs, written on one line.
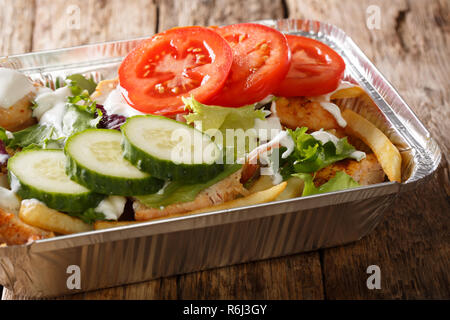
{"points": [[198, 119]]}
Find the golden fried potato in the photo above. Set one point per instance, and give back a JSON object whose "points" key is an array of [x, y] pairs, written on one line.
{"points": [[345, 93], [387, 154], [39, 215], [255, 198], [293, 188]]}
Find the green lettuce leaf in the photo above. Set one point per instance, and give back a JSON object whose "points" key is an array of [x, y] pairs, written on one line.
{"points": [[89, 216], [340, 181], [310, 155], [4, 136], [76, 120], [177, 191], [222, 118], [215, 120], [82, 82], [34, 136]]}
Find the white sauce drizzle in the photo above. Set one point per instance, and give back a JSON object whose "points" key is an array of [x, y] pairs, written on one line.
{"points": [[324, 137], [112, 207], [324, 101], [116, 103], [282, 139], [13, 87], [52, 107]]}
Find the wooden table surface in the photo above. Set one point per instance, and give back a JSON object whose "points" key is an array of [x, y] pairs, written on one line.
{"points": [[410, 46]]}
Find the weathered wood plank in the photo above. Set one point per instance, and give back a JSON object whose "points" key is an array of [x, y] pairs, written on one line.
{"points": [[174, 13], [16, 34], [411, 245], [63, 24], [293, 277]]}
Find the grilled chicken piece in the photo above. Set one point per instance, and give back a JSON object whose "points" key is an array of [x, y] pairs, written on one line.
{"points": [[103, 90], [300, 112], [14, 231], [365, 172], [225, 190], [19, 116]]}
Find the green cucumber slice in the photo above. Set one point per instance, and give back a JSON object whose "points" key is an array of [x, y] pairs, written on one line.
{"points": [[94, 160], [40, 174], [169, 149]]}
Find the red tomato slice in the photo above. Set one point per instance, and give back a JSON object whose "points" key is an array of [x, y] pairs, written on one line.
{"points": [[260, 62], [177, 63], [315, 69]]}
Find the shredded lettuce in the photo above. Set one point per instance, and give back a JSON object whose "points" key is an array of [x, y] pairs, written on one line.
{"points": [[222, 118], [178, 192], [310, 155], [340, 181], [216, 120]]}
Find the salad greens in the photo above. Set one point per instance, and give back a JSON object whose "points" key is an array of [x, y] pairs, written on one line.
{"points": [[81, 113], [340, 181], [177, 191], [216, 120], [222, 118], [310, 155], [89, 216]]}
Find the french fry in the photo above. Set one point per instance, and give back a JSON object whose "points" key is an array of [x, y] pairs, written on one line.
{"points": [[252, 199], [293, 188], [100, 225], [39, 215], [263, 183], [387, 154], [352, 92]]}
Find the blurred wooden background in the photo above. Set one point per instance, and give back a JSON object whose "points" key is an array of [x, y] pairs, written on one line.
{"points": [[410, 45]]}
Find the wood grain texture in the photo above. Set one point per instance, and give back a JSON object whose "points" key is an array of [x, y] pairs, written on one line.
{"points": [[411, 47], [411, 245], [16, 34], [174, 13], [62, 23]]}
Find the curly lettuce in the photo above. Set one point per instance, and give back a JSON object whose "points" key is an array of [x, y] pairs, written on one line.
{"points": [[311, 155], [217, 121], [340, 181], [221, 118]]}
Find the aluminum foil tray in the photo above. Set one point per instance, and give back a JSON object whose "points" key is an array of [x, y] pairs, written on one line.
{"points": [[196, 242]]}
